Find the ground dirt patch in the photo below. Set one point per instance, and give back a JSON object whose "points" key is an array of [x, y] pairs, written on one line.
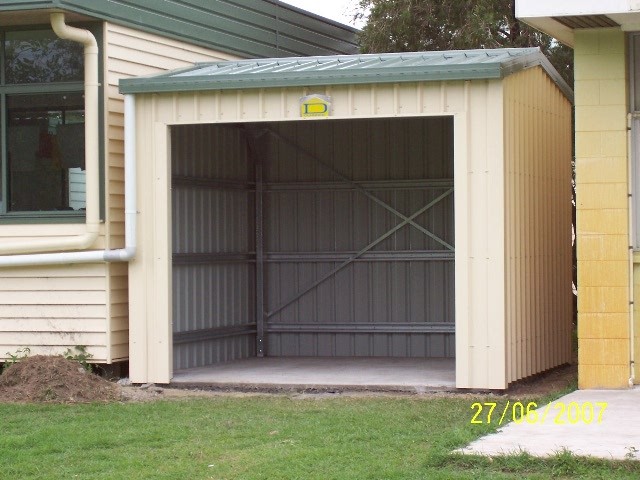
{"points": [[558, 379], [50, 379]]}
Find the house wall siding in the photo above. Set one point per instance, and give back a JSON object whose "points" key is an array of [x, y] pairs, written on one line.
{"points": [[538, 242], [602, 208], [50, 309]]}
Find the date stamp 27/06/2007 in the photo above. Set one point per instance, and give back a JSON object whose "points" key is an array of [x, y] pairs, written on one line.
{"points": [[559, 413]]}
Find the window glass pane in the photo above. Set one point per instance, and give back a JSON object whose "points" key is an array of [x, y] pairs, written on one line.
{"points": [[39, 56], [45, 152]]}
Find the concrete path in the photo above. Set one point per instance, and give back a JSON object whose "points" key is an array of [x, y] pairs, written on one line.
{"points": [[616, 436]]}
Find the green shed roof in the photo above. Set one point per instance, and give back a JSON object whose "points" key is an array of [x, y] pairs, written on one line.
{"points": [[247, 28], [347, 69]]}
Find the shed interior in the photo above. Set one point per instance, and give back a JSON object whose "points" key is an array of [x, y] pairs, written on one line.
{"points": [[327, 238]]}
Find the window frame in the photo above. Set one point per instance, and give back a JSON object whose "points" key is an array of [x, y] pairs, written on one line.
{"points": [[48, 216]]}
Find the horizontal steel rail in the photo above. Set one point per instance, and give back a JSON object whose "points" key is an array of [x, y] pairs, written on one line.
{"points": [[211, 258], [210, 183], [421, 184], [221, 184], [441, 327], [322, 257], [313, 257], [213, 333]]}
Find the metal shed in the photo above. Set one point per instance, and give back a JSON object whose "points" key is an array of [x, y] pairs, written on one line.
{"points": [[399, 205]]}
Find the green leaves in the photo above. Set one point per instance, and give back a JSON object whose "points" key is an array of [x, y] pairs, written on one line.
{"points": [[419, 25]]}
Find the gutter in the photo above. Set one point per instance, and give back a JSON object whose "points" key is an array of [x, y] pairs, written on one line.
{"points": [[31, 248]]}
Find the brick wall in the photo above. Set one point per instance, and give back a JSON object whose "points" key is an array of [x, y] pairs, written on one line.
{"points": [[602, 208]]}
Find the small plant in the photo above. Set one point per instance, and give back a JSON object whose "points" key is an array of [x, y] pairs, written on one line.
{"points": [[632, 453], [79, 354], [13, 358]]}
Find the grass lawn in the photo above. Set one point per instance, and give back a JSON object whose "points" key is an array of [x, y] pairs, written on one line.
{"points": [[266, 437]]}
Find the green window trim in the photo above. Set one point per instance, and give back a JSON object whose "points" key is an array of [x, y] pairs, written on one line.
{"points": [[34, 218]]}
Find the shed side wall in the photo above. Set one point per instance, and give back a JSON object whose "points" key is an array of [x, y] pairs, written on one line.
{"points": [[538, 219], [130, 53]]}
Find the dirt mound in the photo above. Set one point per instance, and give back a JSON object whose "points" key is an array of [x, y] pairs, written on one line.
{"points": [[54, 380]]}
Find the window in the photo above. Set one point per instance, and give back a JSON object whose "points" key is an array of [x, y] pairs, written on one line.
{"points": [[42, 119]]}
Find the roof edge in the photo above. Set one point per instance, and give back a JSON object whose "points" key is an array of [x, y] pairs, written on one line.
{"points": [[538, 59], [245, 78], [275, 80], [245, 28]]}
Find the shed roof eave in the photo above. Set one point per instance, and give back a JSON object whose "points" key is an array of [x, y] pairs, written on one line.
{"points": [[274, 80], [347, 69], [552, 28]]}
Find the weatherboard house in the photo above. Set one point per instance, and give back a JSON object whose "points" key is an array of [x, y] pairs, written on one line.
{"points": [[252, 187]]}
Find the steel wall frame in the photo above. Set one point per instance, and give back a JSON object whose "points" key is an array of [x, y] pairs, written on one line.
{"points": [[260, 327]]}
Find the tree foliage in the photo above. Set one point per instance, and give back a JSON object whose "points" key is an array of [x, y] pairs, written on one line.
{"points": [[419, 25]]}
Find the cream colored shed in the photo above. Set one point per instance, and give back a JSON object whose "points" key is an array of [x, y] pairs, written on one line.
{"points": [[397, 205]]}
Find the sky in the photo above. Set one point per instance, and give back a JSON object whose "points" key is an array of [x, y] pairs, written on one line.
{"points": [[338, 10]]}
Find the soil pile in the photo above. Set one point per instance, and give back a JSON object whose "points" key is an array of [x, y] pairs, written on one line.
{"points": [[54, 380]]}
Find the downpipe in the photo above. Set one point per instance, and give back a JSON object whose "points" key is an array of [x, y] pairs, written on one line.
{"points": [[91, 85], [115, 255], [633, 179]]}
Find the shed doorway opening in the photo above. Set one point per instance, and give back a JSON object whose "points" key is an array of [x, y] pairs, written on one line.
{"points": [[330, 239]]}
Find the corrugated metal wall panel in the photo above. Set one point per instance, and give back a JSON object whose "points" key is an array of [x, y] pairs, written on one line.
{"points": [[363, 345], [208, 219], [309, 211], [210, 352], [538, 219]]}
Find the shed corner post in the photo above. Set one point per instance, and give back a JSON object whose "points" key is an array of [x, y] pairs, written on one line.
{"points": [[461, 215], [161, 321], [150, 294]]}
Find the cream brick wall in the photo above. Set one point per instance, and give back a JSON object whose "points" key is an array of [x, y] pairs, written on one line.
{"points": [[602, 208]]}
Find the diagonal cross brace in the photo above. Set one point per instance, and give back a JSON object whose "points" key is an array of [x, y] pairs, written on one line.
{"points": [[358, 254], [362, 190]]}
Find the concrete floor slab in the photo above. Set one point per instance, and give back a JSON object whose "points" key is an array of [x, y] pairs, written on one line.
{"points": [[616, 437], [406, 374]]}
